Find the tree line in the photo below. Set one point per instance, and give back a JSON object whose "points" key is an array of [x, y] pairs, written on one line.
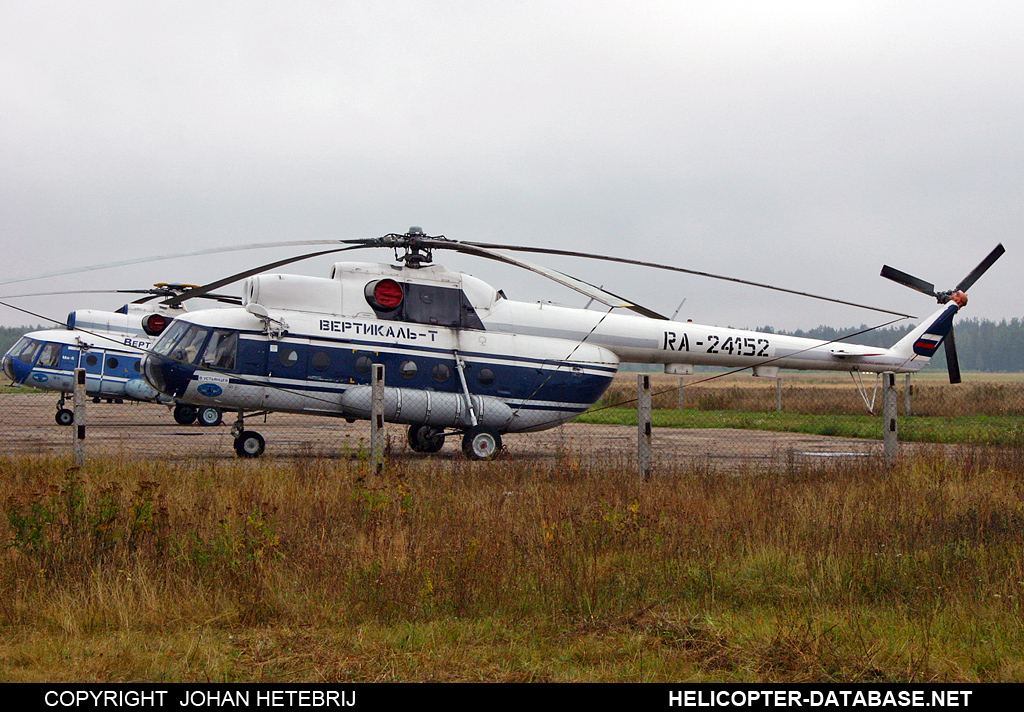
{"points": [[981, 344]]}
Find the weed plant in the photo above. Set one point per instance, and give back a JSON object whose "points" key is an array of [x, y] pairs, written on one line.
{"points": [[452, 570]]}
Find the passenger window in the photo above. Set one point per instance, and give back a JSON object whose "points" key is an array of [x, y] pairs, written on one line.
{"points": [[364, 364], [220, 352], [287, 356], [50, 357], [321, 361]]}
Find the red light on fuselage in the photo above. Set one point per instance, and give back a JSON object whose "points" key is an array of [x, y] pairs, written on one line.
{"points": [[155, 324], [388, 294]]}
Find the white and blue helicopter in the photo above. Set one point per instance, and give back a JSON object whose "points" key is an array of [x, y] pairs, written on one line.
{"points": [[110, 347], [461, 359]]}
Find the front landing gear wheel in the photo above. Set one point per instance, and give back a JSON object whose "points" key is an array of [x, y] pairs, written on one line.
{"points": [[480, 443], [210, 416], [185, 414], [64, 417], [426, 438], [249, 444]]}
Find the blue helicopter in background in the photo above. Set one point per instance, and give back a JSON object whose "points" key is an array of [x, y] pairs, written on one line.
{"points": [[109, 346]]}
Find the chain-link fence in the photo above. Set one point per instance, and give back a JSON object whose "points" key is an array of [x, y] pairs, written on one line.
{"points": [[713, 421]]}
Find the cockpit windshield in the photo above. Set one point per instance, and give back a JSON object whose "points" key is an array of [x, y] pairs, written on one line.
{"points": [[26, 349], [185, 342], [169, 338]]}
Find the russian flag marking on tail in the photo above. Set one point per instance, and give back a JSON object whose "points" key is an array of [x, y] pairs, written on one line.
{"points": [[928, 342]]}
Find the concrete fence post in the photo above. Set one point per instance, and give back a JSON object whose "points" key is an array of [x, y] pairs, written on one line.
{"points": [[907, 392], [891, 447], [644, 444], [377, 419], [81, 399]]}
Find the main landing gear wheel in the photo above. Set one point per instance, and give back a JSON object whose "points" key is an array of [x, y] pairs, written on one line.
{"points": [[185, 414], [210, 416], [64, 416], [249, 444], [480, 443], [426, 438]]}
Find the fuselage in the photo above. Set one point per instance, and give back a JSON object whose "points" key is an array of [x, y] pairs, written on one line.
{"points": [[455, 350]]}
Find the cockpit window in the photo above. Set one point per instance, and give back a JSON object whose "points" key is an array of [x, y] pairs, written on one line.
{"points": [[26, 350], [182, 342], [170, 338], [220, 351], [191, 344], [50, 358]]}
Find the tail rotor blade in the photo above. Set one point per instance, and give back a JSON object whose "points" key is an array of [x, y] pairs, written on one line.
{"points": [[952, 362], [970, 279], [908, 280]]}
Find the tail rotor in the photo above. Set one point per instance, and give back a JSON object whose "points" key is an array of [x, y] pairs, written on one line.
{"points": [[920, 285]]}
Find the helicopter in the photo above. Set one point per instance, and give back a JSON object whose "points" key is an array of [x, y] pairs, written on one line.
{"points": [[109, 346], [462, 359]]}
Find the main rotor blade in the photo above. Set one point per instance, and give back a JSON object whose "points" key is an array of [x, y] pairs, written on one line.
{"points": [[908, 280], [970, 279], [672, 268], [150, 294], [367, 242], [586, 288], [206, 288], [952, 362]]}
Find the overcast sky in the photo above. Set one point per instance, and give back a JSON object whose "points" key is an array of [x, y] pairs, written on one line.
{"points": [[802, 144]]}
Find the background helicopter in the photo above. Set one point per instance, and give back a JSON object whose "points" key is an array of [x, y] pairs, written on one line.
{"points": [[109, 346], [461, 358]]}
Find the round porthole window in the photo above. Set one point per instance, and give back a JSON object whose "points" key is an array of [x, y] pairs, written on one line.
{"points": [[364, 364], [407, 369], [91, 360], [485, 376], [287, 357], [321, 360], [111, 363], [442, 373]]}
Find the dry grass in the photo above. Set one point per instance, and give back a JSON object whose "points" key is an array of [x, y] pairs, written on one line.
{"points": [[451, 570]]}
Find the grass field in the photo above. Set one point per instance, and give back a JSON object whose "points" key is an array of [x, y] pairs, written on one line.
{"points": [[313, 570], [987, 409]]}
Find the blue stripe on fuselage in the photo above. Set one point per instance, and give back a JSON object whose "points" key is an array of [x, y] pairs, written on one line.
{"points": [[513, 379]]}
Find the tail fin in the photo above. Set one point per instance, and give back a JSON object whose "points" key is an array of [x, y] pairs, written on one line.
{"points": [[922, 342]]}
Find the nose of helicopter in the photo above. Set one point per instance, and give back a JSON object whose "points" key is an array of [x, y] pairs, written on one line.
{"points": [[166, 376], [16, 370]]}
